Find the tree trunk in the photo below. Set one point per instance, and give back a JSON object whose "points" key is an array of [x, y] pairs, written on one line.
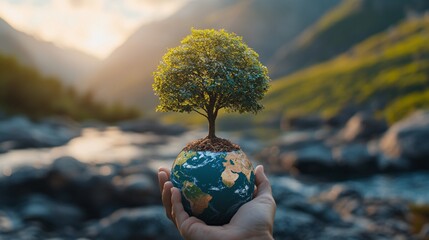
{"points": [[212, 126]]}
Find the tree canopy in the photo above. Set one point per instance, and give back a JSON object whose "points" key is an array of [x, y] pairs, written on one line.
{"points": [[211, 70]]}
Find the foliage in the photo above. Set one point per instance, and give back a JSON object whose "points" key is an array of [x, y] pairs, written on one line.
{"points": [[209, 71], [349, 23], [24, 91], [388, 73]]}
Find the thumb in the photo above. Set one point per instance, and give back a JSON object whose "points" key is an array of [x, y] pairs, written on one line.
{"points": [[262, 183]]}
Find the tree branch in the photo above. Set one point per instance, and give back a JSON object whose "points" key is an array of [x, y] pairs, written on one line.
{"points": [[205, 115]]}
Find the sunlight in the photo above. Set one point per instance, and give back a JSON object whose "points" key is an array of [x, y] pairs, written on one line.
{"points": [[94, 27]]}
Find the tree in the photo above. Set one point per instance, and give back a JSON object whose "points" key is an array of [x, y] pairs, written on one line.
{"points": [[209, 71]]}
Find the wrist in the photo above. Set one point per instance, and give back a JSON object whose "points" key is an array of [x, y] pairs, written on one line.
{"points": [[256, 236], [265, 236]]}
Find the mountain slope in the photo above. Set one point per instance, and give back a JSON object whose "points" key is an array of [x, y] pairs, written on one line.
{"points": [[387, 73], [264, 25], [68, 65], [24, 91], [344, 26]]}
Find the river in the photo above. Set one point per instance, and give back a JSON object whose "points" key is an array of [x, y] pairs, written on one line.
{"points": [[115, 146]]}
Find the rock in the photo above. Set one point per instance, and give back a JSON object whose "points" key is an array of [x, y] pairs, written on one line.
{"points": [[304, 122], [316, 159], [345, 233], [19, 132], [142, 126], [362, 126], [338, 192], [137, 223], [137, 189], [300, 139], [68, 169], [383, 209], [408, 139], [53, 214], [32, 231], [392, 164], [355, 159], [9, 221], [424, 232], [287, 191], [291, 224], [24, 180]]}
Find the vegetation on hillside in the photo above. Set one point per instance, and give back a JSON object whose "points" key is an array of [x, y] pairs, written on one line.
{"points": [[387, 73], [25, 91], [349, 23]]}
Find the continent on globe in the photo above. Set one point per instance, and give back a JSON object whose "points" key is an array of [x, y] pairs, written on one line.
{"points": [[235, 163], [197, 198]]}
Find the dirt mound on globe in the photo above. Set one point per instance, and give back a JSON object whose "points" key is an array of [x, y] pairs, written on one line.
{"points": [[213, 145]]}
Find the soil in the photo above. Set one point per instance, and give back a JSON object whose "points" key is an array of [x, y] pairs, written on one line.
{"points": [[213, 145]]}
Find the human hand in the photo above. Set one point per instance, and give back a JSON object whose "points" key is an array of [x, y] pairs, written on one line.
{"points": [[254, 220]]}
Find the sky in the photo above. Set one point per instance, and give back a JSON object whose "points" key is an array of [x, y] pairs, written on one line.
{"points": [[96, 27]]}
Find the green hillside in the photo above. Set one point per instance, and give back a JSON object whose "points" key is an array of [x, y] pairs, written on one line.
{"points": [[349, 23], [388, 72], [25, 91]]}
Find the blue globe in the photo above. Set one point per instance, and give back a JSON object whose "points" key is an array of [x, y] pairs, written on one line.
{"points": [[214, 185]]}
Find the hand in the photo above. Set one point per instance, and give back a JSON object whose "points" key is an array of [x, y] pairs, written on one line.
{"points": [[254, 220]]}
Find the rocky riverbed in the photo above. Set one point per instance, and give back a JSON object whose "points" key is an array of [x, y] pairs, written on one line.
{"points": [[59, 180]]}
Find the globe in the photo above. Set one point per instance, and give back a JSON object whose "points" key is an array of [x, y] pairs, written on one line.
{"points": [[214, 185]]}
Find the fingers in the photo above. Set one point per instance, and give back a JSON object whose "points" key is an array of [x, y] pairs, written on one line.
{"points": [[179, 213], [165, 187], [166, 199], [262, 183], [163, 176], [255, 191]]}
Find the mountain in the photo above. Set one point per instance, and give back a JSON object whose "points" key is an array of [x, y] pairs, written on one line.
{"points": [[24, 91], [341, 28], [264, 24], [70, 66], [387, 73]]}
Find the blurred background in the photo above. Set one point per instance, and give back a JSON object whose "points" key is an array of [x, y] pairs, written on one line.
{"points": [[344, 134]]}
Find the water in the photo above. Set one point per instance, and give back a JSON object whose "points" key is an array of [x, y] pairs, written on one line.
{"points": [[112, 145]]}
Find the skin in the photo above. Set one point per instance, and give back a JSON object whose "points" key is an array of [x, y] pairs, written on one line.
{"points": [[254, 220]]}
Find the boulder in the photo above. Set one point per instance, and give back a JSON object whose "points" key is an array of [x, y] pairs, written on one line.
{"points": [[338, 192], [70, 168], [362, 127], [303, 122], [42, 209], [424, 232], [355, 159], [9, 221], [408, 139], [315, 159], [19, 132], [392, 164], [136, 223], [137, 189], [291, 224], [23, 180]]}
